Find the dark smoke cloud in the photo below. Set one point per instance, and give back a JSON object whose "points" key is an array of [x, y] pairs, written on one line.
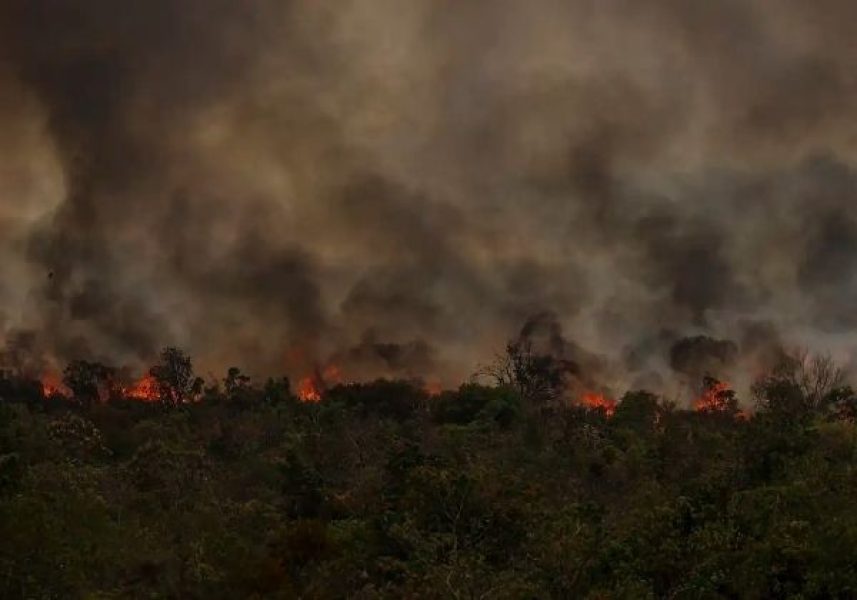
{"points": [[701, 355], [542, 335], [411, 359], [247, 178]]}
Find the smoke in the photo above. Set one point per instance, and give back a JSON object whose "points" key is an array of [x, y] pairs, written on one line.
{"points": [[542, 337], [402, 186], [701, 355]]}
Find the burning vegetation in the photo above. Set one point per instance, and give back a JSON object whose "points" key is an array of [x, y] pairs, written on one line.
{"points": [[359, 202], [716, 397], [598, 401], [548, 379], [383, 482], [52, 386], [145, 390], [541, 367], [406, 486], [309, 390]]}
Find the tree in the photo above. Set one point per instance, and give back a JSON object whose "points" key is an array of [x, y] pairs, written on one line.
{"points": [[235, 382], [474, 402], [536, 377], [638, 410], [398, 400], [238, 389], [716, 398], [814, 376], [175, 378], [88, 380]]}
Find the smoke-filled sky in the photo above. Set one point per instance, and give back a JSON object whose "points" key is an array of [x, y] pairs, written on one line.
{"points": [[400, 186]]}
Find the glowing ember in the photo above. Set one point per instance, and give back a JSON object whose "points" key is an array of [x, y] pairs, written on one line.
{"points": [[52, 386], [593, 400], [715, 398], [144, 390], [308, 390]]}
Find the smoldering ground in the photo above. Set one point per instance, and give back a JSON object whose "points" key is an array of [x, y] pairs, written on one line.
{"points": [[246, 178]]}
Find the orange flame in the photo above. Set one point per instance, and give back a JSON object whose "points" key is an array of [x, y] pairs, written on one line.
{"points": [[144, 390], [594, 400], [308, 390], [52, 386], [312, 387], [714, 398]]}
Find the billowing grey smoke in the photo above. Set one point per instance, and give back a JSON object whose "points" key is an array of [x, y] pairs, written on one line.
{"points": [[399, 186]]}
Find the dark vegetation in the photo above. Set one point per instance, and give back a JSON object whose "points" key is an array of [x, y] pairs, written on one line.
{"points": [[239, 490]]}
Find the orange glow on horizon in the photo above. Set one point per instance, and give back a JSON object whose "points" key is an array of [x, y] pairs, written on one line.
{"points": [[433, 389]]}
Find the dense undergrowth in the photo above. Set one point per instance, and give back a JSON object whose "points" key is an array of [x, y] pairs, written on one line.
{"points": [[380, 491]]}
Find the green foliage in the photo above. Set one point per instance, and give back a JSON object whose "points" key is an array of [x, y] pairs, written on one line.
{"points": [[474, 402], [380, 491], [399, 400], [638, 411], [76, 438]]}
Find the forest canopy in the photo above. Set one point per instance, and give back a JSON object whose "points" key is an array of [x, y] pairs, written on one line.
{"points": [[497, 489]]}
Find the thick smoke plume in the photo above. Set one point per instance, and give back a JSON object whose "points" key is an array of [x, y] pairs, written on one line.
{"points": [[401, 185]]}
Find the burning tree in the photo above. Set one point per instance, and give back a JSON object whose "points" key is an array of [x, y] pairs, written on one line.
{"points": [[88, 381], [716, 397], [174, 378], [598, 401]]}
